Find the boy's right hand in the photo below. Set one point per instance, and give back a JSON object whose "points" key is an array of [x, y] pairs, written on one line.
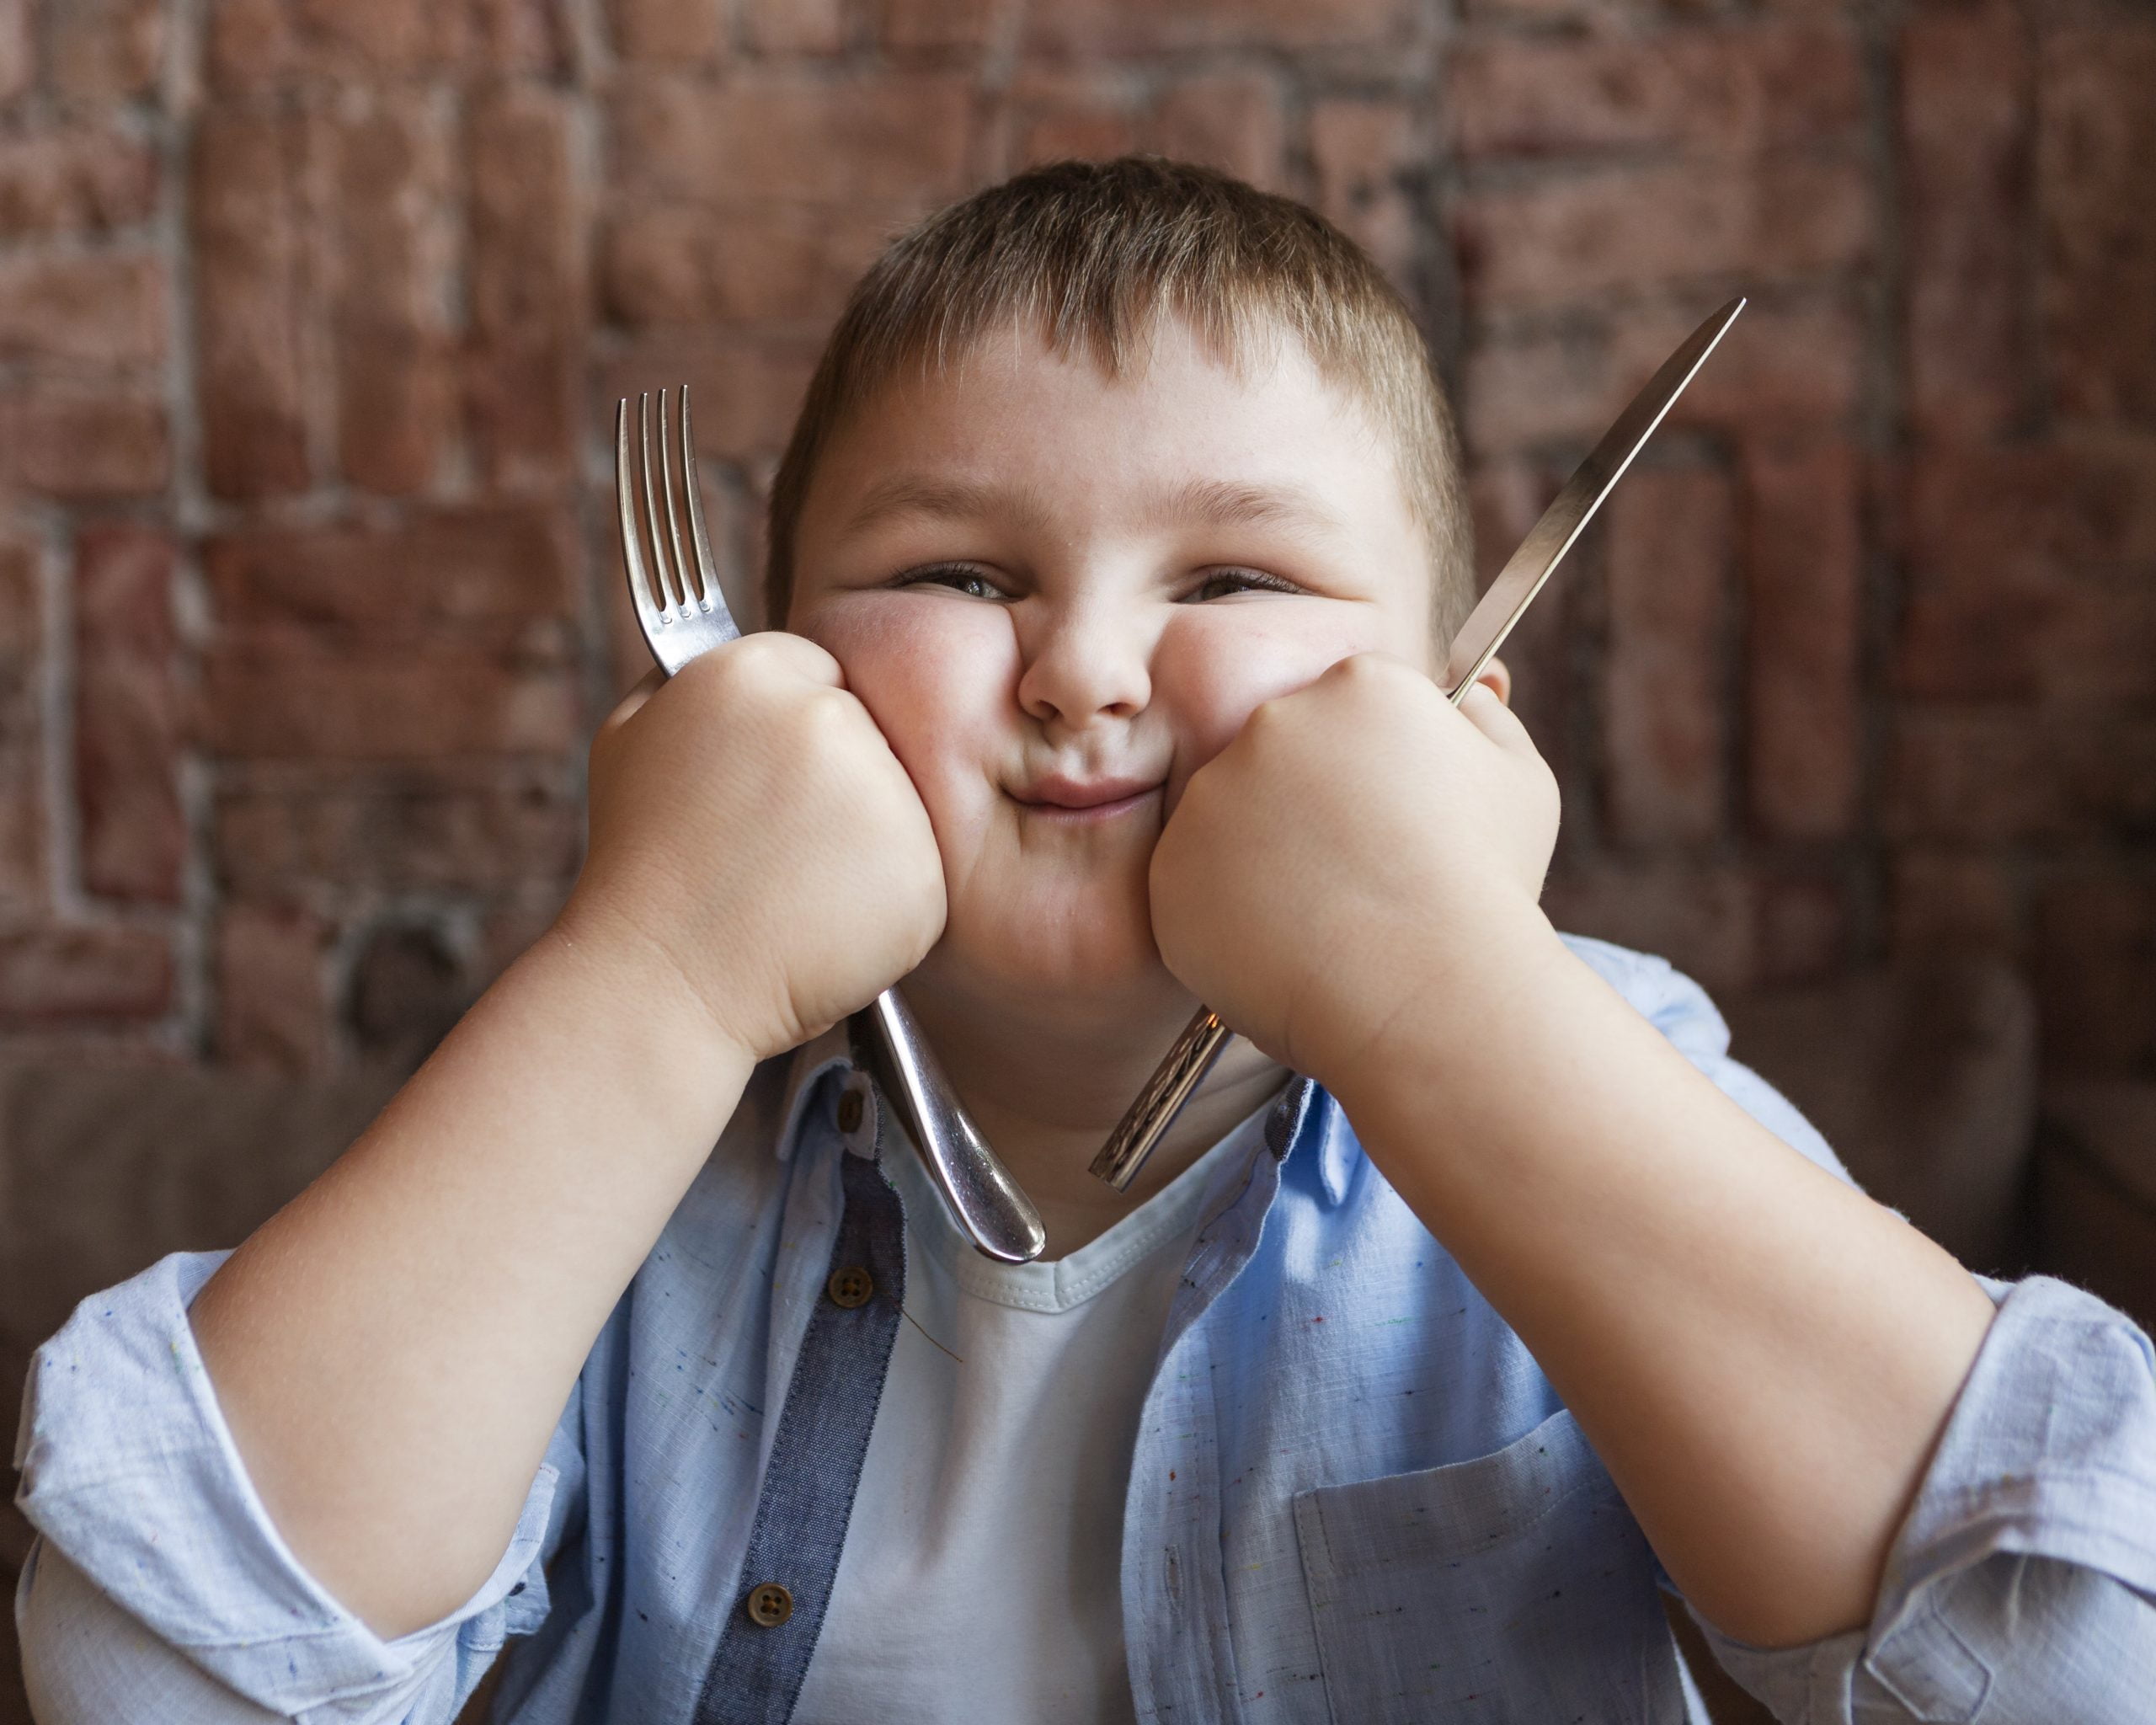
{"points": [[752, 831]]}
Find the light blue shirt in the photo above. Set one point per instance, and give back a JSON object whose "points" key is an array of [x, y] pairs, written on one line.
{"points": [[1354, 1497]]}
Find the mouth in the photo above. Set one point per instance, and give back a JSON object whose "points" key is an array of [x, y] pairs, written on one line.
{"points": [[1068, 801]]}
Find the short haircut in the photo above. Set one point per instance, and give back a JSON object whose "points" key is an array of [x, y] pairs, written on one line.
{"points": [[1089, 254]]}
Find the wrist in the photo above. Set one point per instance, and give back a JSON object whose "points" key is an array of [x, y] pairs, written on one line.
{"points": [[1440, 1030], [628, 976]]}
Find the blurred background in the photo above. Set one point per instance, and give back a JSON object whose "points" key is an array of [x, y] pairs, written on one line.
{"points": [[313, 315]]}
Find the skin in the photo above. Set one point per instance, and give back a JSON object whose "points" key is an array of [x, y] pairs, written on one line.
{"points": [[1021, 568]]}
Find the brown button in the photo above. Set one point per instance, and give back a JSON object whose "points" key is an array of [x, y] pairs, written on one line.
{"points": [[769, 1604], [851, 1287], [850, 1112]]}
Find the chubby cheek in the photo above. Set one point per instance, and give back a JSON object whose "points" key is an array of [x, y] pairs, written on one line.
{"points": [[1217, 667], [934, 678]]}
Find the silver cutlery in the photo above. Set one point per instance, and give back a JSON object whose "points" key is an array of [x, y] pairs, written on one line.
{"points": [[1205, 1037], [682, 616]]}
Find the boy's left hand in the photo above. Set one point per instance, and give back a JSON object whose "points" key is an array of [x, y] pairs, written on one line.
{"points": [[1353, 861]]}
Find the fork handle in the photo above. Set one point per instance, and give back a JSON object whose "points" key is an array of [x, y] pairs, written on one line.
{"points": [[987, 1203]]}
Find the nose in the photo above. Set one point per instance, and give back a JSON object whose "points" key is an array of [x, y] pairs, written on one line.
{"points": [[1085, 660]]}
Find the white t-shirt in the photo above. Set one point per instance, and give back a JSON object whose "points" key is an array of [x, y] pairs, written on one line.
{"points": [[980, 1580]]}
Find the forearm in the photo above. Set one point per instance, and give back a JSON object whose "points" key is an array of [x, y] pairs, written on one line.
{"points": [[1763, 1357], [393, 1348]]}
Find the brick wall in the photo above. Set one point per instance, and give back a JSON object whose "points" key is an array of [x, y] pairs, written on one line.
{"points": [[312, 313]]}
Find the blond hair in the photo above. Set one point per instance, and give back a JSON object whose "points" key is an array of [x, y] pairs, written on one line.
{"points": [[1090, 253]]}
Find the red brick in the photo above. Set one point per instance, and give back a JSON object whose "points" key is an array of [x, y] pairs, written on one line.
{"points": [[1228, 119], [248, 304], [1671, 549], [1975, 776], [127, 731], [1965, 122], [1723, 89], [396, 407], [69, 442], [747, 389], [128, 714], [74, 179], [768, 263], [2096, 138], [51, 976], [261, 42], [940, 24], [455, 828], [1803, 930], [23, 883], [18, 52], [1804, 574], [526, 286], [2023, 635], [2095, 974], [106, 309], [1089, 27], [1780, 370], [899, 136], [268, 700], [1573, 238], [1952, 901], [1091, 121], [448, 637], [478, 576], [1703, 917], [105, 51], [794, 26], [272, 988], [1372, 175], [685, 32], [2084, 503]]}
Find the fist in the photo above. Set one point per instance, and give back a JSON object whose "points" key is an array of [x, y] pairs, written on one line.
{"points": [[1335, 873], [752, 831]]}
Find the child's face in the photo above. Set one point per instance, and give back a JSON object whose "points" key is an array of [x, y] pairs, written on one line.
{"points": [[1051, 587]]}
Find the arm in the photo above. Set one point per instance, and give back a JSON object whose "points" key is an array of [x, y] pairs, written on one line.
{"points": [[391, 1351], [1763, 1358]]}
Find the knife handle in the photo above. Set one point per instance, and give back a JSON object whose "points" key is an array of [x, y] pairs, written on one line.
{"points": [[1203, 1042]]}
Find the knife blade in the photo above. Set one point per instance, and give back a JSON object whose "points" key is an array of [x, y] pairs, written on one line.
{"points": [[1205, 1038]]}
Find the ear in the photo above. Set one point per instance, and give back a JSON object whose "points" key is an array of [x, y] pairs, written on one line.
{"points": [[1496, 677]]}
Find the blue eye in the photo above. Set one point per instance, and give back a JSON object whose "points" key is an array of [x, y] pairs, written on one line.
{"points": [[960, 578], [1221, 584]]}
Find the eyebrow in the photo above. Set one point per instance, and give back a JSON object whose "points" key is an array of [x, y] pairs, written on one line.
{"points": [[1219, 502], [1222, 503], [953, 500]]}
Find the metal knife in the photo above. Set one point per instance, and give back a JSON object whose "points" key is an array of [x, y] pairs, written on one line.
{"points": [[1205, 1037]]}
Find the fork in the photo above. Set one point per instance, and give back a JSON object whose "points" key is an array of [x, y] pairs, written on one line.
{"points": [[679, 624]]}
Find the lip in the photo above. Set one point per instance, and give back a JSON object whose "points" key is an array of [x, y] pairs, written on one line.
{"points": [[1099, 798]]}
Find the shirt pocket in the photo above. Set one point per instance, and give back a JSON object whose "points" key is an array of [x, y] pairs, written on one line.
{"points": [[1512, 1588]]}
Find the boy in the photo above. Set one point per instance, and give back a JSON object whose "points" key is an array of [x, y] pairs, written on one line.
{"points": [[1115, 546]]}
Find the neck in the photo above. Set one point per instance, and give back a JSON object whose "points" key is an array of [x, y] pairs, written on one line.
{"points": [[1047, 1080]]}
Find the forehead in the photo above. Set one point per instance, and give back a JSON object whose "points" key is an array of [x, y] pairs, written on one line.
{"points": [[1183, 431]]}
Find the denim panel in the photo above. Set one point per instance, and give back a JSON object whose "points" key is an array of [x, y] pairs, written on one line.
{"points": [[757, 1675]]}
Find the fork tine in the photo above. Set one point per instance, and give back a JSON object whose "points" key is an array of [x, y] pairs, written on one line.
{"points": [[707, 569], [666, 588], [674, 515], [640, 591]]}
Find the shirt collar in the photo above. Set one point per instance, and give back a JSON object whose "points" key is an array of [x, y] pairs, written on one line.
{"points": [[1304, 1112], [1306, 1115], [832, 1051]]}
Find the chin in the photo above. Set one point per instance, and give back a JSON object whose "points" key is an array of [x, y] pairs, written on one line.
{"points": [[1049, 965]]}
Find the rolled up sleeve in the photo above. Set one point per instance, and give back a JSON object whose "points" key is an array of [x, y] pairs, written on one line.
{"points": [[128, 1472], [2022, 1586]]}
